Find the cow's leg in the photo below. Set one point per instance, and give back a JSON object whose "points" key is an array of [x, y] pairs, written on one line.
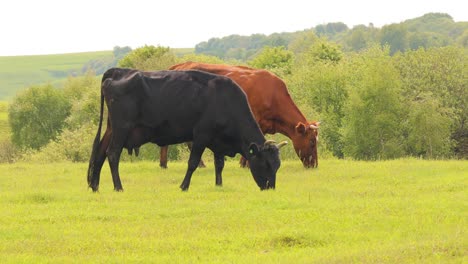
{"points": [[163, 157], [219, 165], [99, 161], [194, 160], [113, 153], [244, 163], [201, 164]]}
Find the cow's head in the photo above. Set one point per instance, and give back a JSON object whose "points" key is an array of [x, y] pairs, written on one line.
{"points": [[305, 143], [264, 162]]}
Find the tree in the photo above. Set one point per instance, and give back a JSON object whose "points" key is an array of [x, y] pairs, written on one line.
{"points": [[319, 88], [149, 58], [83, 93], [302, 42], [37, 115], [120, 52], [276, 59], [325, 51], [439, 72], [200, 58], [396, 36], [371, 125], [428, 128]]}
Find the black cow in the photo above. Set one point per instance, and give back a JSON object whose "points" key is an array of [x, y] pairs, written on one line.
{"points": [[170, 107]]}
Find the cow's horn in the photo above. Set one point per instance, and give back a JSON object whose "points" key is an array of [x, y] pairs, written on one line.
{"points": [[270, 142], [281, 144], [313, 126]]}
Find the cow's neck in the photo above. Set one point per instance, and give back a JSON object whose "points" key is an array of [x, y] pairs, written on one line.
{"points": [[250, 134], [287, 121]]}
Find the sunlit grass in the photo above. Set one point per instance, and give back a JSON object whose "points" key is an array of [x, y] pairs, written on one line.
{"points": [[404, 211]]}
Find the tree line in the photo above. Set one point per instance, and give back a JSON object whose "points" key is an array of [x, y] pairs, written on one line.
{"points": [[429, 30], [373, 104]]}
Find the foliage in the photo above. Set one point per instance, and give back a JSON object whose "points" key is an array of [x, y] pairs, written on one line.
{"points": [[4, 125], [321, 85], [371, 125], [241, 47], [37, 115], [84, 95], [401, 211], [323, 50], [429, 30], [275, 59], [428, 128], [360, 37], [396, 36], [331, 29], [200, 58], [70, 145], [302, 42], [439, 72], [149, 58]]}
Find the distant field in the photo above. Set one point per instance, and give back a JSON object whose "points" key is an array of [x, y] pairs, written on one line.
{"points": [[402, 211], [19, 72]]}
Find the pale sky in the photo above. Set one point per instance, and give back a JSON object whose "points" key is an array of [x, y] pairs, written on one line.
{"points": [[30, 27]]}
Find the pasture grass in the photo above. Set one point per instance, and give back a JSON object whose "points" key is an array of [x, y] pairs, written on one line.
{"points": [[20, 72], [401, 211]]}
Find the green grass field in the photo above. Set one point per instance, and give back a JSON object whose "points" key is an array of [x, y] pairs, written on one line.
{"points": [[402, 211], [19, 72]]}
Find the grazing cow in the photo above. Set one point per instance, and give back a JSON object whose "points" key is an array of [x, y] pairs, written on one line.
{"points": [[271, 105], [170, 107]]}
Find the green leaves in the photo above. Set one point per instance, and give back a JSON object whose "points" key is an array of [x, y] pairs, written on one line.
{"points": [[38, 115], [149, 58], [276, 59]]}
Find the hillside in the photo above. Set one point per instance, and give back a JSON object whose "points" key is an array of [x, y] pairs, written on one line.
{"points": [[18, 72], [429, 30]]}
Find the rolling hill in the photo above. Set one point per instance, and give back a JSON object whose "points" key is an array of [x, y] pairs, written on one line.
{"points": [[19, 72]]}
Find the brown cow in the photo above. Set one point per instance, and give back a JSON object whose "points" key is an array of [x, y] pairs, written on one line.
{"points": [[271, 105]]}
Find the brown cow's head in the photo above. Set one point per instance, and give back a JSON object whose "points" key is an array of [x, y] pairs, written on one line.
{"points": [[305, 143]]}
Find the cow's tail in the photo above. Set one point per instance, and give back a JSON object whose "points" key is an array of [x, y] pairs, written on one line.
{"points": [[96, 144]]}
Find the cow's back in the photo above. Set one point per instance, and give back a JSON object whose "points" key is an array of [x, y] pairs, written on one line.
{"points": [[174, 103], [266, 93]]}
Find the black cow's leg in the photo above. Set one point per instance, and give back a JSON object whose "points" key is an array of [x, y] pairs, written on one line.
{"points": [[219, 165], [99, 161], [194, 160], [113, 153], [201, 164]]}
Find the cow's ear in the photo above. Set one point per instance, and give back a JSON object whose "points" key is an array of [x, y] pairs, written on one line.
{"points": [[253, 149], [301, 128]]}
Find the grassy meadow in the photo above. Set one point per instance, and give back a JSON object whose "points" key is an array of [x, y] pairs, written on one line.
{"points": [[20, 72], [401, 211]]}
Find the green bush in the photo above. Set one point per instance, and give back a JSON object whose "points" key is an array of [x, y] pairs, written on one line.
{"points": [[37, 116]]}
